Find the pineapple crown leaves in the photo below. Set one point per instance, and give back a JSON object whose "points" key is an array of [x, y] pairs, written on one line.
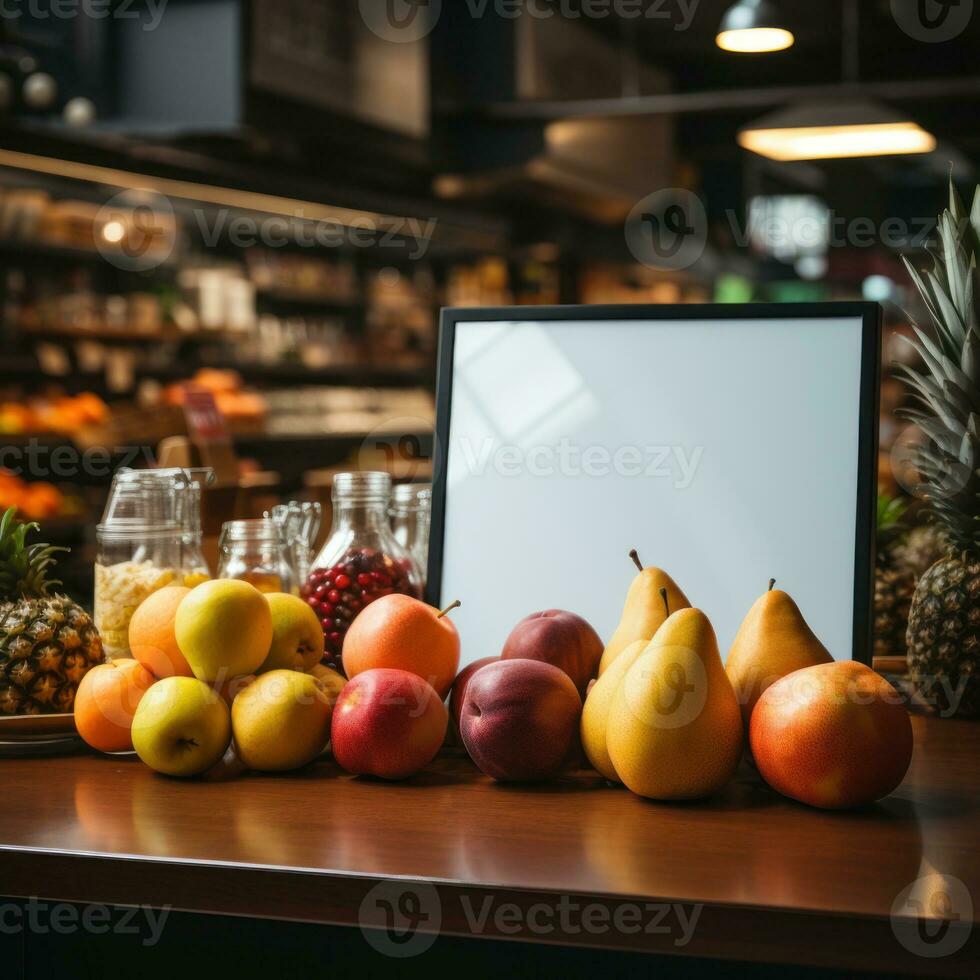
{"points": [[23, 567], [890, 523], [946, 387]]}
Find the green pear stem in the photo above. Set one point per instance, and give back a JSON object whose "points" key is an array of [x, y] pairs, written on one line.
{"points": [[772, 582], [663, 595], [636, 559], [449, 608]]}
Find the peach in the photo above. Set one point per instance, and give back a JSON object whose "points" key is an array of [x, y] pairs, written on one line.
{"points": [[388, 723], [458, 694], [520, 719], [560, 638], [106, 701], [151, 633], [397, 631]]}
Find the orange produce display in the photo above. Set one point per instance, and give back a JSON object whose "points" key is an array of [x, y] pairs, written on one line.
{"points": [[400, 632], [106, 701], [35, 501], [833, 735], [151, 633]]}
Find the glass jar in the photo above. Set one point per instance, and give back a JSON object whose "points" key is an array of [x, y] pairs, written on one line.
{"points": [[134, 559], [255, 552], [192, 561], [158, 497], [361, 560], [410, 513]]}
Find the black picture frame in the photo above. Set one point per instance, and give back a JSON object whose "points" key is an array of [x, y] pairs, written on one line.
{"points": [[870, 386]]}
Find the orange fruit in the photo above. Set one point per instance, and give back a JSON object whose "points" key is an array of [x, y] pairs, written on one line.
{"points": [[399, 632], [151, 633], [106, 701], [832, 735]]}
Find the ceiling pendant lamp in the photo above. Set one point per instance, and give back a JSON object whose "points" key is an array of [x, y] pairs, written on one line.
{"points": [[827, 131], [753, 27]]}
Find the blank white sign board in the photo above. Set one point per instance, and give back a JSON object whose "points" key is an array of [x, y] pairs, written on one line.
{"points": [[728, 445]]}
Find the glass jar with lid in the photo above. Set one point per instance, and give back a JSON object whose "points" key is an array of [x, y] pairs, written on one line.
{"points": [[410, 510], [134, 559], [254, 551], [361, 560], [192, 561]]}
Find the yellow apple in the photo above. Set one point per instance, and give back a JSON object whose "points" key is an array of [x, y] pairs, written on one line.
{"points": [[224, 629], [297, 636], [281, 721], [331, 682], [181, 727]]}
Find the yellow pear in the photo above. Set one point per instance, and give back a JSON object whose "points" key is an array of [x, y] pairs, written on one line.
{"points": [[595, 713], [644, 611], [674, 730], [773, 641]]}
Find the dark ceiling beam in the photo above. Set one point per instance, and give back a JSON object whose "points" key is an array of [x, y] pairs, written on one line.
{"points": [[726, 100]]}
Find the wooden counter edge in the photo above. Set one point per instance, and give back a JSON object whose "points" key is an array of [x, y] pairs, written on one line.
{"points": [[736, 932]]}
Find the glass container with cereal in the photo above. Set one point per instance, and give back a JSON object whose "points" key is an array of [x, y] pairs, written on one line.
{"points": [[134, 560]]}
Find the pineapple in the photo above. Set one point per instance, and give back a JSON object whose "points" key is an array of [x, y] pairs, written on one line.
{"points": [[922, 548], [944, 622], [47, 642], [894, 583]]}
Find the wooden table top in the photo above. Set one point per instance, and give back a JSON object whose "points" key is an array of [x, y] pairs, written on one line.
{"points": [[773, 880]]}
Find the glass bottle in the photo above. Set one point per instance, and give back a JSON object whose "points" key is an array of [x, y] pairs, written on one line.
{"points": [[410, 514], [255, 552], [361, 560]]}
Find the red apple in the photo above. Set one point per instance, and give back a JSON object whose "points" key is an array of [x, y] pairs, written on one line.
{"points": [[560, 638], [520, 719], [388, 723]]}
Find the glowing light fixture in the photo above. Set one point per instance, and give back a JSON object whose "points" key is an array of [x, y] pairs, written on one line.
{"points": [[822, 131], [753, 27], [113, 232]]}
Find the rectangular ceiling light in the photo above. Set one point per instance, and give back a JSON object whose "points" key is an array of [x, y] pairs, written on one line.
{"points": [[830, 142]]}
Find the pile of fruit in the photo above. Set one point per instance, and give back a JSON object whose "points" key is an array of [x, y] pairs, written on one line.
{"points": [[223, 666], [63, 414], [34, 499], [668, 720]]}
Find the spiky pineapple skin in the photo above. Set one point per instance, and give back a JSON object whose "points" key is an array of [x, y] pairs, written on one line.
{"points": [[944, 635], [893, 601], [47, 645]]}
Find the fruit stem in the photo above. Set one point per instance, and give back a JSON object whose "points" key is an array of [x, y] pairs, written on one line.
{"points": [[663, 595], [636, 559], [449, 608], [772, 582]]}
